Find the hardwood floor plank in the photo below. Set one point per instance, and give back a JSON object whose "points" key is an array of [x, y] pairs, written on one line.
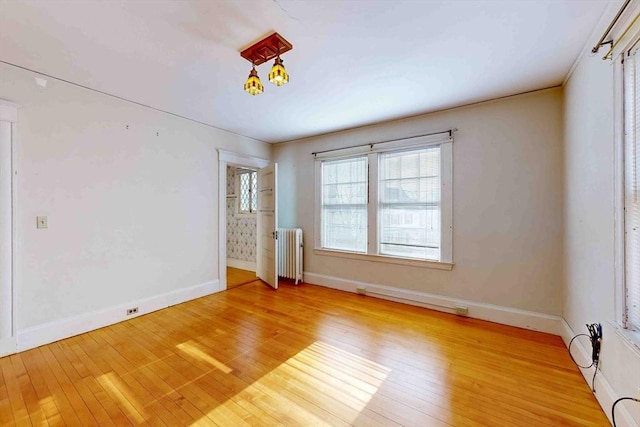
{"points": [[122, 397], [101, 415], [80, 410], [117, 415], [28, 391], [237, 277], [6, 414], [301, 355], [19, 408], [46, 404]]}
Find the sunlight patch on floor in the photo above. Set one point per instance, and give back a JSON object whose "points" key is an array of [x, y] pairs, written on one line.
{"points": [[319, 376], [340, 373], [193, 351], [114, 386], [46, 406]]}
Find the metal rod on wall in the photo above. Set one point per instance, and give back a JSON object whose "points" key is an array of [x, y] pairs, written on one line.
{"points": [[371, 144], [613, 45], [606, 33]]}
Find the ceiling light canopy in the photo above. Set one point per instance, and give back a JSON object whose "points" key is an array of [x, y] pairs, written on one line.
{"points": [[264, 50]]}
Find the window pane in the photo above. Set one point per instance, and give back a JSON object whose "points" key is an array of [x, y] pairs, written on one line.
{"points": [[254, 191], [632, 189], [344, 204], [409, 203], [244, 192]]}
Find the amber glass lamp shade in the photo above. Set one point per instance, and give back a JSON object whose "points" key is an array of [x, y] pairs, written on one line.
{"points": [[253, 86], [278, 75]]}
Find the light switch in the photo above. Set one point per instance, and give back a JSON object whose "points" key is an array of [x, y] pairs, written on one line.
{"points": [[41, 222]]}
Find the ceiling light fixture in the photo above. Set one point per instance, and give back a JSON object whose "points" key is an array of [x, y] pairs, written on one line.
{"points": [[278, 75], [253, 86], [264, 50]]}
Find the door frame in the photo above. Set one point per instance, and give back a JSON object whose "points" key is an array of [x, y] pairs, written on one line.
{"points": [[229, 158], [9, 113]]}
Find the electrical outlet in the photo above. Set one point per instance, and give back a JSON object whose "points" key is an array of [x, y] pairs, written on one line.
{"points": [[462, 310], [361, 290], [42, 222], [132, 310]]}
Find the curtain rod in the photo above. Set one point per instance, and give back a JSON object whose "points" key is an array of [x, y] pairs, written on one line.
{"points": [[371, 144], [614, 45], [601, 42]]}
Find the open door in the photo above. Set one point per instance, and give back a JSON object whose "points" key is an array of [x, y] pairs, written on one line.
{"points": [[267, 255]]}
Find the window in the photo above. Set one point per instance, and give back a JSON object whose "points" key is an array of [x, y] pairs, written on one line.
{"points": [[248, 191], [409, 203], [393, 203], [632, 188], [344, 204]]}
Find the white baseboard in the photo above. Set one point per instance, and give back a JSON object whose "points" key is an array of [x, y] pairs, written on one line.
{"points": [[604, 393], [36, 336], [8, 346], [493, 313], [243, 265]]}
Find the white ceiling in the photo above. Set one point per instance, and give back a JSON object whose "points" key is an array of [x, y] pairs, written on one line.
{"points": [[353, 63]]}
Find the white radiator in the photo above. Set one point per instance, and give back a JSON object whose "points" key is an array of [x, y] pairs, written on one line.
{"points": [[290, 253]]}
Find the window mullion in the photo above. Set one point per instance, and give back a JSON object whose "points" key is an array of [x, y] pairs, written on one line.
{"points": [[372, 206]]}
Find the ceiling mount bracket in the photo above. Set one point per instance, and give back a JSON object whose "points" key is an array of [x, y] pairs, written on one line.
{"points": [[266, 49]]}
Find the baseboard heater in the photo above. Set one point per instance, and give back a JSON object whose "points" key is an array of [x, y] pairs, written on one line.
{"points": [[290, 253]]}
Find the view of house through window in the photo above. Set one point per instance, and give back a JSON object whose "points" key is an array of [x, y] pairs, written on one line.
{"points": [[398, 215], [409, 203], [248, 191]]}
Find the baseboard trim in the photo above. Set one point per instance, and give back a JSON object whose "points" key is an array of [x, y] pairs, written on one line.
{"points": [[243, 265], [64, 328], [8, 346], [604, 393], [492, 313]]}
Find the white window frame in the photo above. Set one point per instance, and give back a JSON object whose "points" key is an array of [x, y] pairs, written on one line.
{"points": [[446, 203], [628, 38], [239, 212], [626, 233]]}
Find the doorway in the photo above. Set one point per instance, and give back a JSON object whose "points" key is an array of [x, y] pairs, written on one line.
{"points": [[236, 272], [242, 207]]}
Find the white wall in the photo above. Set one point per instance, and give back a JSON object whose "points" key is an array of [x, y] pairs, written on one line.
{"points": [[507, 195], [131, 195], [589, 287]]}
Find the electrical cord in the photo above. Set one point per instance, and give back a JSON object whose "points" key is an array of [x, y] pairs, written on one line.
{"points": [[613, 407], [595, 336], [572, 358]]}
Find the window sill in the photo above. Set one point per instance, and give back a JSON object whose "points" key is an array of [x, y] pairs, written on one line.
{"points": [[438, 265], [631, 338]]}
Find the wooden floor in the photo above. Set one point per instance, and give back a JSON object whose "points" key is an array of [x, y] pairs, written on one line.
{"points": [[238, 277], [299, 356]]}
